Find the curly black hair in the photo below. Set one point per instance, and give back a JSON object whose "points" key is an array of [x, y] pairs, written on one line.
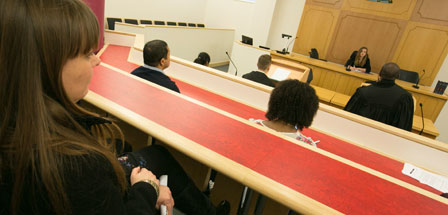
{"points": [[293, 102]]}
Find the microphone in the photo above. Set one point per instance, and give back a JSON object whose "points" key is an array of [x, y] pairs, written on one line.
{"points": [[287, 47], [423, 121], [236, 69], [418, 81]]}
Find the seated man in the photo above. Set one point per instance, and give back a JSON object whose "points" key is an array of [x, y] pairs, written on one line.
{"points": [[156, 56], [384, 101], [264, 64]]}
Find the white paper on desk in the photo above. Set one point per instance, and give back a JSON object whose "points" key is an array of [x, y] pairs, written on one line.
{"points": [[435, 181], [280, 74]]}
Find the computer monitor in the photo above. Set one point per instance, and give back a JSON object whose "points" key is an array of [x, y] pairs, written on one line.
{"points": [[247, 40]]}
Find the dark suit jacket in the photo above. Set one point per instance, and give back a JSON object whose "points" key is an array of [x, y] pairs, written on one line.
{"points": [[155, 77], [351, 62], [259, 77], [385, 102]]}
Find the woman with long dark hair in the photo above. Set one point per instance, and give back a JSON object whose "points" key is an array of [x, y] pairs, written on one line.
{"points": [[359, 61], [54, 155]]}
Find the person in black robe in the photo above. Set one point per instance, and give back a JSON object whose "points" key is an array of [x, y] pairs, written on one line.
{"points": [[359, 61], [384, 101], [264, 64]]}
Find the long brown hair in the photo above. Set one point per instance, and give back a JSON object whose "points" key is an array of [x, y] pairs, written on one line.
{"points": [[38, 134], [363, 59]]}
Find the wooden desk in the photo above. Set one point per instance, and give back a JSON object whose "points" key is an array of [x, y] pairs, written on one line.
{"points": [[297, 71], [334, 77], [421, 151], [340, 100], [281, 171], [133, 108], [324, 94]]}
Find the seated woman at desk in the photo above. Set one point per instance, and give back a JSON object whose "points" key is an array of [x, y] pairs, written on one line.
{"points": [[54, 155], [359, 61]]}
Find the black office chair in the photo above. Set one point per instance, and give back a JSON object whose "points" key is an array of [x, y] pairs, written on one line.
{"points": [[159, 22], [171, 23], [310, 77], [201, 26], [191, 25], [131, 21], [408, 76], [111, 22], [145, 22], [184, 24]]}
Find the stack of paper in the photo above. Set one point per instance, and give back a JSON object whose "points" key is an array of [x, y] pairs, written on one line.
{"points": [[437, 182], [280, 74]]}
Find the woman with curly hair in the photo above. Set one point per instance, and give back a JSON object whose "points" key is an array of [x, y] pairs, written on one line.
{"points": [[292, 107]]}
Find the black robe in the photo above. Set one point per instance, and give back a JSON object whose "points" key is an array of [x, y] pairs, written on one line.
{"points": [[385, 102], [259, 77]]}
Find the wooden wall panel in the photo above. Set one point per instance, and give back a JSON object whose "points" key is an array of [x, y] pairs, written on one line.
{"points": [[354, 30], [400, 9], [431, 107], [431, 11], [423, 46], [315, 30], [326, 3]]}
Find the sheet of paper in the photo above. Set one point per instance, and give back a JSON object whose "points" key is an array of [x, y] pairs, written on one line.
{"points": [[280, 74], [435, 181]]}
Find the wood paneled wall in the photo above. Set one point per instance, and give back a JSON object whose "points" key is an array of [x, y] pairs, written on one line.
{"points": [[412, 33]]}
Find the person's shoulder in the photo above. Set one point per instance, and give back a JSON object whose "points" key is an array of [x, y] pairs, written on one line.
{"points": [[250, 73], [138, 69], [402, 90]]}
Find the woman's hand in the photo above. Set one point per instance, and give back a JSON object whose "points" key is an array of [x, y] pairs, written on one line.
{"points": [[166, 199], [139, 174]]}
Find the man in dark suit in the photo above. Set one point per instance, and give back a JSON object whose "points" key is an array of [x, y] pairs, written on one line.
{"points": [[156, 56], [264, 64], [384, 101]]}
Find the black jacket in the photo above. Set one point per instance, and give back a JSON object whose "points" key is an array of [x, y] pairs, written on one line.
{"points": [[259, 77], [155, 77], [91, 188]]}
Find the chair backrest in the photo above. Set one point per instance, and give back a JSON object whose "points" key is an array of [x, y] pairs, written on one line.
{"points": [[111, 22], [314, 54], [191, 25], [201, 26], [171, 23], [182, 24], [159, 22], [310, 77], [131, 21], [145, 22], [408, 76]]}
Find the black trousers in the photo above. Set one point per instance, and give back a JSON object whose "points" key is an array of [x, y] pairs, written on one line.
{"points": [[187, 197]]}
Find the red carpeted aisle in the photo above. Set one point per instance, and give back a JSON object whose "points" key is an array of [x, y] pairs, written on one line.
{"points": [[335, 184], [117, 56]]}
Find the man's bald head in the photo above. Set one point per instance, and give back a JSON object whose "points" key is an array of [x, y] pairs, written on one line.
{"points": [[390, 71]]}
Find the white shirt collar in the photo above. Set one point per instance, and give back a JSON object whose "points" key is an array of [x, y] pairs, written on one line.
{"points": [[153, 68]]}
